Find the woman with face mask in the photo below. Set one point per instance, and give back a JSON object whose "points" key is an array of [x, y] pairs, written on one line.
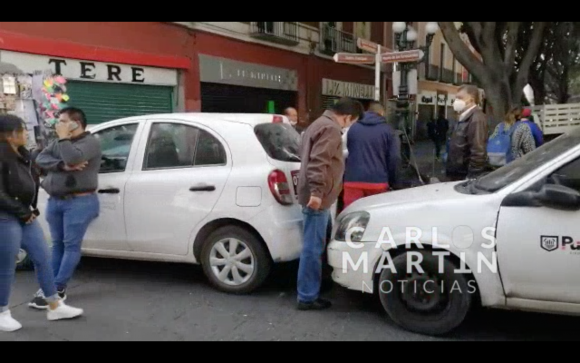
{"points": [[18, 225]]}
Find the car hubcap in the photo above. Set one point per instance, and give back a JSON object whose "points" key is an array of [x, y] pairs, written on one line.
{"points": [[232, 261], [21, 256], [424, 293]]}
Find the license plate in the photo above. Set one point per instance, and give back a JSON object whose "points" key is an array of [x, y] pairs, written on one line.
{"points": [[295, 181]]}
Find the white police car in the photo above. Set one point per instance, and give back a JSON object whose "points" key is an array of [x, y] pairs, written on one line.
{"points": [[509, 239]]}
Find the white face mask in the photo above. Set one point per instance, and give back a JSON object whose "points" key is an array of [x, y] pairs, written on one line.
{"points": [[459, 105]]}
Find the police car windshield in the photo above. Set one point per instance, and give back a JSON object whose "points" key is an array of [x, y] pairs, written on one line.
{"points": [[519, 168]]}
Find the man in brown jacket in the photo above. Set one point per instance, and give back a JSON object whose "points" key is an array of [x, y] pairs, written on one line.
{"points": [[319, 184], [468, 145]]}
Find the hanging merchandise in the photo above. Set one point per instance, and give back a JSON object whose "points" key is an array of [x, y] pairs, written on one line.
{"points": [[54, 99]]}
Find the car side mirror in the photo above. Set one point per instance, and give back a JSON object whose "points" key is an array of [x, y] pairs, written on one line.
{"points": [[550, 195], [559, 197]]}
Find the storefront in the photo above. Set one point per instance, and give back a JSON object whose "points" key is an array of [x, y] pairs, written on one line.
{"points": [[106, 90], [231, 86], [333, 90]]}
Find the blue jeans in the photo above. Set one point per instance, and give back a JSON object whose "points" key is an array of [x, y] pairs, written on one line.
{"points": [[69, 220], [13, 236], [310, 269]]}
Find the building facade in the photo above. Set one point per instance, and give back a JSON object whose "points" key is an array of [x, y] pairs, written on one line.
{"points": [[119, 69], [113, 69], [268, 66], [439, 79]]}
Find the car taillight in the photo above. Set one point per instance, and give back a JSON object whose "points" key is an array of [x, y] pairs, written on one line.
{"points": [[277, 119], [279, 187]]}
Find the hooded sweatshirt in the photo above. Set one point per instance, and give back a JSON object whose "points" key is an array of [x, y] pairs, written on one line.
{"points": [[373, 151]]}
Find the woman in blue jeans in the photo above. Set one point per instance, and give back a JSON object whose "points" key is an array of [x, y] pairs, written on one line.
{"points": [[18, 225]]}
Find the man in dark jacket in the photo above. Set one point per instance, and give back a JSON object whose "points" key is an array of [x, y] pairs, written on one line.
{"points": [[373, 156], [319, 184], [468, 144]]}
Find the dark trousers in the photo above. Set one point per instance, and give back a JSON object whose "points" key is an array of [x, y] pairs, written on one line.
{"points": [[438, 143]]}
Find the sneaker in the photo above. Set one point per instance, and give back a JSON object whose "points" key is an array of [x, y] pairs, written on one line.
{"points": [[62, 294], [63, 311], [318, 304], [38, 301], [8, 323]]}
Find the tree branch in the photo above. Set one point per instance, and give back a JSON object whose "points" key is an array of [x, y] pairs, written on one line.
{"points": [[462, 51], [510, 47], [529, 55], [489, 46]]}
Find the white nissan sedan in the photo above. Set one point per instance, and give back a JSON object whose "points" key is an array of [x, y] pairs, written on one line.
{"points": [[509, 239], [213, 189]]}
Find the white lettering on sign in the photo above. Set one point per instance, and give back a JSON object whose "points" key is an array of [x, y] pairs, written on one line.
{"points": [[86, 70], [260, 76], [331, 87]]}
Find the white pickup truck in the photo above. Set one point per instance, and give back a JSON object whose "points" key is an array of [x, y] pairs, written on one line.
{"points": [[510, 240]]}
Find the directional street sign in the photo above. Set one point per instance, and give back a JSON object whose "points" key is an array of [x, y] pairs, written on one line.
{"points": [[402, 57], [367, 45], [377, 58], [353, 58]]}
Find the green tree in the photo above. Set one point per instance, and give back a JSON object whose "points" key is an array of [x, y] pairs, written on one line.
{"points": [[499, 75]]}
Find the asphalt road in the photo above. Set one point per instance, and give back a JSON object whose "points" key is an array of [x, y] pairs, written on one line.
{"points": [[126, 300]]}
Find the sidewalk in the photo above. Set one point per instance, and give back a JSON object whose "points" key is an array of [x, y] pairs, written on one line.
{"points": [[423, 152]]}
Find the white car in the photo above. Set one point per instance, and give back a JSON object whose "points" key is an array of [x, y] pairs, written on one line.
{"points": [[509, 239], [214, 189]]}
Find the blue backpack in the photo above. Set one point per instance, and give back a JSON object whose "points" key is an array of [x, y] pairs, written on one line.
{"points": [[499, 147]]}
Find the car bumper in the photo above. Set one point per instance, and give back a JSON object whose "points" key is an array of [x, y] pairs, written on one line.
{"points": [[281, 228], [352, 267]]}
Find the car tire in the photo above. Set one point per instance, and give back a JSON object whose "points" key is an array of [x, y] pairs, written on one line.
{"points": [[23, 261], [258, 259], [430, 314]]}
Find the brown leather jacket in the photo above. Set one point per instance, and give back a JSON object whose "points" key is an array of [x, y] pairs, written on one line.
{"points": [[468, 146], [322, 167]]}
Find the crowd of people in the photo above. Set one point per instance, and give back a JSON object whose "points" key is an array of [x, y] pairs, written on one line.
{"points": [[354, 154], [346, 154]]}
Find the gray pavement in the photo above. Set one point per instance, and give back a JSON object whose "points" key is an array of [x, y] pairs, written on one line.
{"points": [[130, 300]]}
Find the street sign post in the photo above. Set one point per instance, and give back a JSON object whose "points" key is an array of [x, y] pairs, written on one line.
{"points": [[402, 57], [354, 58], [379, 57]]}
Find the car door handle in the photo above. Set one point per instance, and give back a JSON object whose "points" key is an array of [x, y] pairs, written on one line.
{"points": [[202, 188], [109, 191]]}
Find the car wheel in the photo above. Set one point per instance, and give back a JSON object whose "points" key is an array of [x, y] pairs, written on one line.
{"points": [[430, 303], [235, 261], [23, 261]]}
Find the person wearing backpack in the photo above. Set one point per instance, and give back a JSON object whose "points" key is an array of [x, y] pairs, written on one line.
{"points": [[528, 119], [510, 140]]}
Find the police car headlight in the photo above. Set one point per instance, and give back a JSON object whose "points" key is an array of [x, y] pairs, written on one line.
{"points": [[351, 227]]}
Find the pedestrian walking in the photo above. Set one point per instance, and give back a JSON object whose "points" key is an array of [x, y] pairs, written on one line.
{"points": [[319, 184], [18, 225], [510, 140], [373, 156], [442, 128], [71, 164], [467, 156]]}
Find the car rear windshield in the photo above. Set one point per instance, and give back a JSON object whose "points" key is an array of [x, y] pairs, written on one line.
{"points": [[280, 141]]}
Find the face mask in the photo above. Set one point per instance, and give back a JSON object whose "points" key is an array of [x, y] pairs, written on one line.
{"points": [[459, 105]]}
